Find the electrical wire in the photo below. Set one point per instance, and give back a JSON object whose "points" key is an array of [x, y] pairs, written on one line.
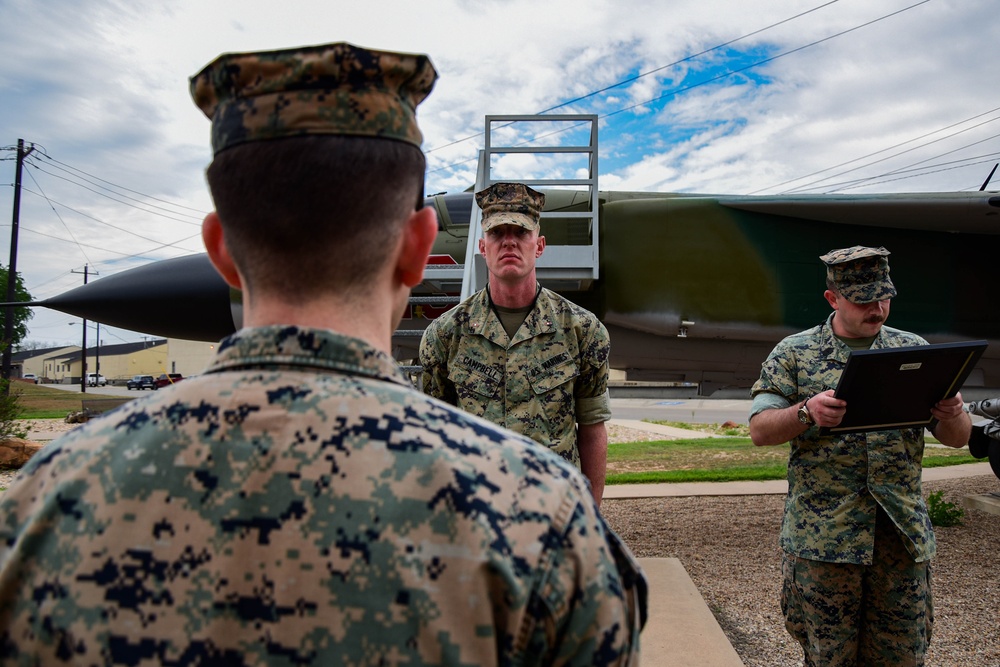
{"points": [[704, 82]]}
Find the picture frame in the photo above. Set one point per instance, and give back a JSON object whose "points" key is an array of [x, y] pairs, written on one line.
{"points": [[892, 388]]}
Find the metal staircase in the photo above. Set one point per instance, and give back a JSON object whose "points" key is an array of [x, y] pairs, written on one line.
{"points": [[555, 154], [570, 219]]}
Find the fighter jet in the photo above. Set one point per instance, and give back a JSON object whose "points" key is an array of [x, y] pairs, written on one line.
{"points": [[693, 288]]}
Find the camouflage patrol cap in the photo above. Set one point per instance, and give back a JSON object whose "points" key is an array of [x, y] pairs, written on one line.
{"points": [[861, 274], [510, 204], [337, 89]]}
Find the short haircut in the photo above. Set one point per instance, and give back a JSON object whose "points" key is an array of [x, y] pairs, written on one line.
{"points": [[315, 214]]}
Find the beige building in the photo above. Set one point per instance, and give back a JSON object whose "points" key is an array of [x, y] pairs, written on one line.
{"points": [[119, 363], [33, 361], [189, 357], [115, 362]]}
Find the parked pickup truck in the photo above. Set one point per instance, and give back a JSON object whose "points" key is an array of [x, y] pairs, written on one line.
{"points": [[167, 379]]}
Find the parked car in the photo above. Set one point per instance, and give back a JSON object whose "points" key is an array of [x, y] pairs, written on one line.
{"points": [[30, 377], [141, 382], [96, 380], [167, 379]]}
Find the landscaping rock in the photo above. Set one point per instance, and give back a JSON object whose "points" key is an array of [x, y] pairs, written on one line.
{"points": [[15, 452]]}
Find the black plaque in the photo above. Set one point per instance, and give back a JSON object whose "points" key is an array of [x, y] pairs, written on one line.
{"points": [[897, 387]]}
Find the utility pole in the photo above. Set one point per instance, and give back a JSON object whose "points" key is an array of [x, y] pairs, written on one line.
{"points": [[83, 354], [8, 324]]}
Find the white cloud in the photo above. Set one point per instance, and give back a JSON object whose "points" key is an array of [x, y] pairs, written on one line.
{"points": [[102, 86]]}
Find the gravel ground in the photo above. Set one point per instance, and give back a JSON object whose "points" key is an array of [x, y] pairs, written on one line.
{"points": [[729, 547]]}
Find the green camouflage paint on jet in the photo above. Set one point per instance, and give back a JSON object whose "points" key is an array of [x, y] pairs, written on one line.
{"points": [[694, 288]]}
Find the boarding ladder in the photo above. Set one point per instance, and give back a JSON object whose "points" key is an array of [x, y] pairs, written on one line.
{"points": [[555, 154], [548, 153]]}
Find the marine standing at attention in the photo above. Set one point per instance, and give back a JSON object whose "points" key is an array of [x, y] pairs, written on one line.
{"points": [[300, 502], [856, 535], [520, 355]]}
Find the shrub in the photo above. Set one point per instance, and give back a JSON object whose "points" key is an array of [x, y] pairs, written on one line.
{"points": [[10, 410], [942, 512]]}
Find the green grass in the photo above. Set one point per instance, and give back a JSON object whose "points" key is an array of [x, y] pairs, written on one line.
{"points": [[726, 459], [41, 402], [721, 460], [734, 474]]}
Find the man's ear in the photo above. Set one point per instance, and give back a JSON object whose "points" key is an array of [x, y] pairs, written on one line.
{"points": [[539, 247], [831, 298], [419, 232], [215, 243]]}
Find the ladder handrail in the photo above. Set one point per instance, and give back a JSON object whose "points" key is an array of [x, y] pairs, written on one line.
{"points": [[588, 257]]}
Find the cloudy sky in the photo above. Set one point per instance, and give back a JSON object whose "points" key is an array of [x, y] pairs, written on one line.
{"points": [[719, 96]]}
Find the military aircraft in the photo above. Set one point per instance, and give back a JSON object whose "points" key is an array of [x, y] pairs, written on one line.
{"points": [[693, 288]]}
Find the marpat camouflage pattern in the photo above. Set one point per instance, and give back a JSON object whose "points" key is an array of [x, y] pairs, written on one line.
{"points": [[835, 482], [553, 374], [329, 89], [861, 274], [510, 204], [301, 503], [900, 637]]}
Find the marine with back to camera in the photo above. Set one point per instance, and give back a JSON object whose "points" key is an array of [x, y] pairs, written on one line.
{"points": [[300, 501]]}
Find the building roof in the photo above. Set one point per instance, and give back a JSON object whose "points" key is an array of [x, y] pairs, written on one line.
{"points": [[113, 350], [39, 352]]}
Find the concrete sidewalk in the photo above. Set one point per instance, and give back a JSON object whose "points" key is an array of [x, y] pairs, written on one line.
{"points": [[681, 630], [668, 432]]}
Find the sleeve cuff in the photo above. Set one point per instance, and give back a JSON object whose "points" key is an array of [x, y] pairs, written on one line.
{"points": [[767, 401], [594, 410]]}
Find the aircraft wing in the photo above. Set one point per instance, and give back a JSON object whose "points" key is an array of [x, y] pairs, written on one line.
{"points": [[694, 288]]}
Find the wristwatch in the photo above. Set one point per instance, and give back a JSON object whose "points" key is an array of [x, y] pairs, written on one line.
{"points": [[804, 415]]}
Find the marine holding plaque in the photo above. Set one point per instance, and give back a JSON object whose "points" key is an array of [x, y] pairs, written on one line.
{"points": [[856, 535]]}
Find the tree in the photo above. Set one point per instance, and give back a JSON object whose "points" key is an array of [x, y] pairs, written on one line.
{"points": [[28, 345], [21, 314]]}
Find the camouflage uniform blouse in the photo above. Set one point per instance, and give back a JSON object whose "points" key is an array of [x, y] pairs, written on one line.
{"points": [[553, 374], [301, 503], [835, 481]]}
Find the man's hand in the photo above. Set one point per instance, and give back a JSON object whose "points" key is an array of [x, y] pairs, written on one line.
{"points": [[954, 426], [949, 408], [778, 426], [827, 410]]}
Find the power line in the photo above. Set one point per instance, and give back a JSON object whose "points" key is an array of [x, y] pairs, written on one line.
{"points": [[687, 58], [122, 255], [68, 167], [193, 220], [815, 184], [923, 172], [90, 217], [704, 82], [68, 230], [882, 150], [639, 76]]}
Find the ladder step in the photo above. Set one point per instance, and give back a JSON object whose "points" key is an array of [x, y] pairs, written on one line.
{"points": [[434, 300]]}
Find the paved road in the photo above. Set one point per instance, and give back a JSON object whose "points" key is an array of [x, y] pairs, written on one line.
{"points": [[695, 411]]}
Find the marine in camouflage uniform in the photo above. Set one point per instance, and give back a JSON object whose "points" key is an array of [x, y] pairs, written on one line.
{"points": [[301, 503], [856, 533], [542, 379], [553, 374]]}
